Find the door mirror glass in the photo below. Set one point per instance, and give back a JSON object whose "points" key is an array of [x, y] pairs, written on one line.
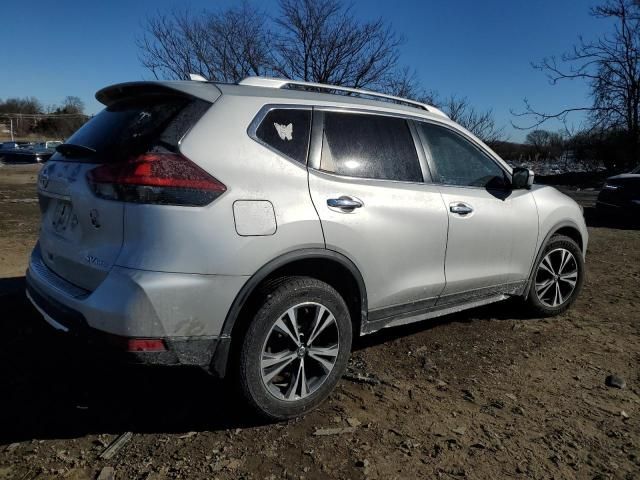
{"points": [[521, 178]]}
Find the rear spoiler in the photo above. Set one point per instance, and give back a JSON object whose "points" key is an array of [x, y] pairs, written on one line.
{"points": [[121, 91]]}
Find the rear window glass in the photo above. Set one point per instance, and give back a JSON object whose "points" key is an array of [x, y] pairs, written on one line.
{"points": [[129, 128], [287, 131]]}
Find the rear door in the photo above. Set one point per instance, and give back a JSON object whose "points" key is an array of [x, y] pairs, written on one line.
{"points": [[366, 180], [493, 230], [81, 234]]}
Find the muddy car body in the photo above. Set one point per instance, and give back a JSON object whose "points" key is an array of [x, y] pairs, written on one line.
{"points": [[254, 229]]}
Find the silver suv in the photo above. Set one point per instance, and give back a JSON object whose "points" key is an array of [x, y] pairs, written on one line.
{"points": [[254, 229]]}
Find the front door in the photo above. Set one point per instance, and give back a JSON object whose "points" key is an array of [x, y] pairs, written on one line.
{"points": [[493, 230]]}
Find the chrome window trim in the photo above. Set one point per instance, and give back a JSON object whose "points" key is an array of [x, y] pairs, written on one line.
{"points": [[368, 179], [447, 123], [317, 126], [315, 147], [252, 129]]}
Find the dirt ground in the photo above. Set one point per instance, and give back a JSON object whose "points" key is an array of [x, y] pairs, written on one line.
{"points": [[482, 394]]}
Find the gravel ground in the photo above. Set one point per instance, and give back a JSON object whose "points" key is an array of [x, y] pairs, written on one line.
{"points": [[486, 393]]}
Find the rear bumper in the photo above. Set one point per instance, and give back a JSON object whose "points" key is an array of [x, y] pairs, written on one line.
{"points": [[207, 352], [185, 311]]}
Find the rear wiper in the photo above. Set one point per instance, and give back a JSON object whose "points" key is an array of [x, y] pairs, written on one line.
{"points": [[73, 150]]}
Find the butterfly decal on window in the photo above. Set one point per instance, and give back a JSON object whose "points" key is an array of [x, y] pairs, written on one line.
{"points": [[285, 132]]}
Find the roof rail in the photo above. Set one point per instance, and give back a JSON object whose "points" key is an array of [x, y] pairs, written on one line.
{"points": [[269, 82]]}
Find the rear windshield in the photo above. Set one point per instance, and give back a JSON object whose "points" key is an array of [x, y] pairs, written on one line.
{"points": [[129, 128]]}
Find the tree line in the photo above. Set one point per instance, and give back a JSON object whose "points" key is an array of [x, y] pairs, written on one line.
{"points": [[27, 116], [322, 41], [318, 41], [610, 67]]}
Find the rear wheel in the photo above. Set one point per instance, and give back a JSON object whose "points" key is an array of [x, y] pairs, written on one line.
{"points": [[295, 349], [557, 278]]}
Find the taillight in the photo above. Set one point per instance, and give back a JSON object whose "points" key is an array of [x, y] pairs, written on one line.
{"points": [[157, 178]]}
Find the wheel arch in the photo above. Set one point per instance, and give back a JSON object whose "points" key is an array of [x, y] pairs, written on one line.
{"points": [[566, 228], [327, 265]]}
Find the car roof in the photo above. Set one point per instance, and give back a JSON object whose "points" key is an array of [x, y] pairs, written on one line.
{"points": [[211, 91]]}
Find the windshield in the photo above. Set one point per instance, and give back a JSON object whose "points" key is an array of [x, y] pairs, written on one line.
{"points": [[636, 170]]}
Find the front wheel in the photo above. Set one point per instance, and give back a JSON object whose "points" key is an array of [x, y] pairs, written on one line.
{"points": [[295, 349], [557, 277]]}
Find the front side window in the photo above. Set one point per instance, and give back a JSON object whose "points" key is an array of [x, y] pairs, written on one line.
{"points": [[369, 146], [457, 161], [286, 130]]}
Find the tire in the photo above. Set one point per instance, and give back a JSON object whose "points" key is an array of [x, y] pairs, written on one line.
{"points": [[318, 356], [543, 298]]}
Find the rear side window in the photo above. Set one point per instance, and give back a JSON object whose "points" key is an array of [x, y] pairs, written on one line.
{"points": [[286, 130], [369, 146], [131, 127]]}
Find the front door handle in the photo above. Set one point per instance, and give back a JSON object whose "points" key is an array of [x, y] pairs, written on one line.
{"points": [[460, 208], [344, 203]]}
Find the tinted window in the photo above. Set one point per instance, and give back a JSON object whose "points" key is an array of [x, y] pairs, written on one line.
{"points": [[369, 146], [457, 161], [287, 131], [128, 128]]}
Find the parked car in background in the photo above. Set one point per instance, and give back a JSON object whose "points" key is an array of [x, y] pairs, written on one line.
{"points": [[27, 152], [621, 193], [50, 144], [255, 229]]}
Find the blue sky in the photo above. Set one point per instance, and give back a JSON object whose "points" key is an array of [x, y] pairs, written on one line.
{"points": [[478, 49]]}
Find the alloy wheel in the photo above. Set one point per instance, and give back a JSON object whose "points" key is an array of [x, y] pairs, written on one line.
{"points": [[300, 351], [556, 277]]}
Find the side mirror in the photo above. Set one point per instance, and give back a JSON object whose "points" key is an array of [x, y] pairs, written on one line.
{"points": [[521, 178]]}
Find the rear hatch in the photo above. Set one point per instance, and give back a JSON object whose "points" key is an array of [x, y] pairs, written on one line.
{"points": [[81, 197]]}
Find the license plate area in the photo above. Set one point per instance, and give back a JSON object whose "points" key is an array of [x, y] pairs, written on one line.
{"points": [[61, 215]]}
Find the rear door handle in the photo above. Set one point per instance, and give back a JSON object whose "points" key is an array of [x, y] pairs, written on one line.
{"points": [[344, 203], [460, 208]]}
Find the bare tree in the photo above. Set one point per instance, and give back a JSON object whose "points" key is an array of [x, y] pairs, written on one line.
{"points": [[459, 109], [224, 46], [318, 41], [20, 111], [538, 139], [312, 40], [610, 66], [26, 105], [481, 123], [404, 83], [321, 41], [546, 144], [72, 104]]}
